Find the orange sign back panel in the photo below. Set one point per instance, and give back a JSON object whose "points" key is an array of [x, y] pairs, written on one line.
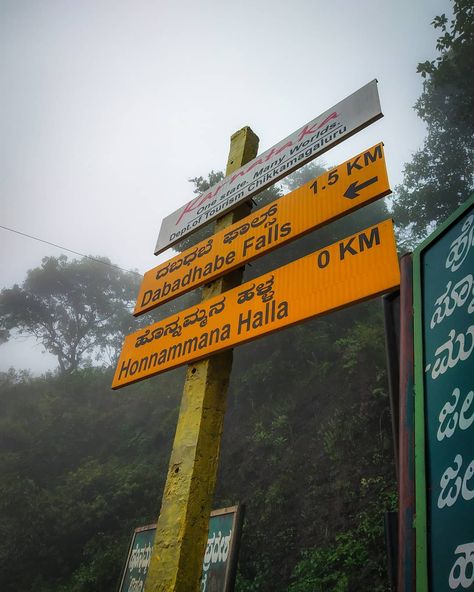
{"points": [[353, 269], [347, 187]]}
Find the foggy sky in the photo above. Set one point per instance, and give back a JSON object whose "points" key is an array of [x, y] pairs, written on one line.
{"points": [[109, 107]]}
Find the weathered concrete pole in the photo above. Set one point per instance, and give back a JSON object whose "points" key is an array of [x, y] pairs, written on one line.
{"points": [[181, 533]]}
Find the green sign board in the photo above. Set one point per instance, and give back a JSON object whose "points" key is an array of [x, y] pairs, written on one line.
{"points": [[220, 559], [444, 405], [138, 560]]}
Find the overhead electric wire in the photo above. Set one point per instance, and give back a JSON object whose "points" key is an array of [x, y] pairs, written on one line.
{"points": [[69, 250]]}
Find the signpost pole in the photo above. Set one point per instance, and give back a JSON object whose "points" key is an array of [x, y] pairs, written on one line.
{"points": [[181, 533]]}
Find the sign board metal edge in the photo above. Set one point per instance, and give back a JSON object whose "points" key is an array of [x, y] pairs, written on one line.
{"points": [[421, 518], [130, 549], [343, 189], [376, 269], [273, 166], [238, 512]]}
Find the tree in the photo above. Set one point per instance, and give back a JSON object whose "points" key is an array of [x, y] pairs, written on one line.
{"points": [[441, 174], [76, 309], [303, 175]]}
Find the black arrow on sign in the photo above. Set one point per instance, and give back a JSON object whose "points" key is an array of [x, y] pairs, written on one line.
{"points": [[353, 189]]}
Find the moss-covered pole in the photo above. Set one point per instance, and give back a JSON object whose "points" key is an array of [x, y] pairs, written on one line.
{"points": [[181, 533]]}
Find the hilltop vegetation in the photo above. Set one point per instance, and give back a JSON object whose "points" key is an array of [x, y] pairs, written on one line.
{"points": [[307, 440]]}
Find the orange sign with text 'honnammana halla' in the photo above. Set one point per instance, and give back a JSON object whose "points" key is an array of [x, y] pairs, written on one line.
{"points": [[345, 188], [353, 269]]}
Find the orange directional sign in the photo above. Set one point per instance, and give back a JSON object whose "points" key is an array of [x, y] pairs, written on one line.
{"points": [[347, 187], [353, 269]]}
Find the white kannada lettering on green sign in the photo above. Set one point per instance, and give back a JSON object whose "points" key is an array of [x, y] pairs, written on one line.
{"points": [[463, 566], [453, 415], [217, 552], [220, 553], [445, 381], [133, 579]]}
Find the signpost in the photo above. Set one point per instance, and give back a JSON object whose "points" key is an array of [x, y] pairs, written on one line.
{"points": [[345, 188], [444, 405], [338, 123], [353, 269], [220, 559]]}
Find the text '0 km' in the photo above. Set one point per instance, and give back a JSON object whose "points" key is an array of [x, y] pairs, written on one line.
{"points": [[358, 267]]}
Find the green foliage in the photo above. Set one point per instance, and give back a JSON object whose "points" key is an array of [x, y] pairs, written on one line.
{"points": [[307, 442], [353, 560], [80, 468], [302, 176], [302, 429], [441, 174], [363, 345], [308, 417], [76, 309]]}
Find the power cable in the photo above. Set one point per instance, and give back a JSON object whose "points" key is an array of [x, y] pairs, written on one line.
{"points": [[69, 250]]}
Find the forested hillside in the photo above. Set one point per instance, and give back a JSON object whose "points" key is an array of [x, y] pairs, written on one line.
{"points": [[306, 446], [307, 442]]}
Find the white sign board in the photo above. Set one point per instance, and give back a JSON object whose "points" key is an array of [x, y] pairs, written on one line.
{"points": [[328, 129]]}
